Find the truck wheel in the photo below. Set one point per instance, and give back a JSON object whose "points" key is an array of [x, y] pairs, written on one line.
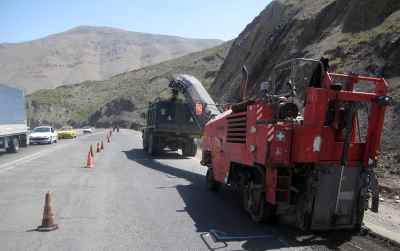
{"points": [[24, 141], [254, 203], [14, 145], [145, 145], [189, 148], [212, 184], [152, 145], [359, 214]]}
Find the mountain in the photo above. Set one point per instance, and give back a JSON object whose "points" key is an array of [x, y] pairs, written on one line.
{"points": [[88, 53], [356, 35], [122, 98]]}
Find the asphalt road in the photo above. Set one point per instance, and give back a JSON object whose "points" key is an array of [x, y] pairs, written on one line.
{"points": [[130, 201]]}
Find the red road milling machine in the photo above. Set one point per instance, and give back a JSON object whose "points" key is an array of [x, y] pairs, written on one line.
{"points": [[304, 158]]}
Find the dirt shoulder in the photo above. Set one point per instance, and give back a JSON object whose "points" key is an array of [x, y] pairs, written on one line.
{"points": [[387, 221]]}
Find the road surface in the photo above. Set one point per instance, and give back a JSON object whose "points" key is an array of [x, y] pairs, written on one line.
{"points": [[130, 201]]}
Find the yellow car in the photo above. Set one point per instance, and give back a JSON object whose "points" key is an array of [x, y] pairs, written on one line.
{"points": [[67, 132]]}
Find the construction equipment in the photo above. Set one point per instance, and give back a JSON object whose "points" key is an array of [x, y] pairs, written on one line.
{"points": [[174, 123], [298, 152]]}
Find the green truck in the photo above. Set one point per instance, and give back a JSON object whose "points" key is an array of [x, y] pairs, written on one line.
{"points": [[170, 124], [173, 123]]}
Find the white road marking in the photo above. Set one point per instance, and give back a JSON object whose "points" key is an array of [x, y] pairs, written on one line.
{"points": [[13, 164]]}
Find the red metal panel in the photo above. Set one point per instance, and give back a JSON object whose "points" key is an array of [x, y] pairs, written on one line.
{"points": [[332, 150], [251, 133], [263, 131], [261, 142], [271, 182], [306, 145], [239, 153], [280, 149], [316, 104]]}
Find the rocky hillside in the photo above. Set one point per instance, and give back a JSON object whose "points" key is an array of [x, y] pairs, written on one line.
{"points": [[88, 53], [361, 36], [122, 98]]}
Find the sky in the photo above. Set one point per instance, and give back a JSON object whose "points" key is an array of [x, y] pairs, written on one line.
{"points": [[24, 20]]}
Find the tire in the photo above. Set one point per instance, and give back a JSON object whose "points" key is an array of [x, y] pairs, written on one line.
{"points": [[14, 146], [211, 183], [254, 203], [24, 141], [145, 142], [189, 148], [359, 214], [152, 148]]}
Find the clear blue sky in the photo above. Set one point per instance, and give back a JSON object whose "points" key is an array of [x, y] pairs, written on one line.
{"points": [[224, 19]]}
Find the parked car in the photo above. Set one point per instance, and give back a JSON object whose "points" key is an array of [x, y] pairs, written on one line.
{"points": [[87, 129], [67, 132], [43, 135]]}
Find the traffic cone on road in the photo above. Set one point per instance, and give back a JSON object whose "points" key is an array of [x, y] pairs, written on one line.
{"points": [[91, 151], [89, 161], [102, 146], [48, 216], [98, 148]]}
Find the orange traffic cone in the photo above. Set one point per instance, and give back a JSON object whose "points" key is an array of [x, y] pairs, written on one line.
{"points": [[98, 148], [89, 161], [102, 146], [91, 151], [48, 216]]}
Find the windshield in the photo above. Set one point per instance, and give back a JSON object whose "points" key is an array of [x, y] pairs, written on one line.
{"points": [[66, 128], [41, 129]]}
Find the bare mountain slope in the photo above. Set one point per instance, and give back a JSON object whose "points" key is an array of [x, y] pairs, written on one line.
{"points": [[88, 53], [122, 98]]}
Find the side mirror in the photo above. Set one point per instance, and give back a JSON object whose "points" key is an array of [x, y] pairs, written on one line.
{"points": [[199, 109], [265, 87]]}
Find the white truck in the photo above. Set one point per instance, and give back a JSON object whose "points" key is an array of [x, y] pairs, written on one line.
{"points": [[13, 124]]}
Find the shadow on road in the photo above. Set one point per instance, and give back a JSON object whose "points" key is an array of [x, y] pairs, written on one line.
{"points": [[222, 212]]}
